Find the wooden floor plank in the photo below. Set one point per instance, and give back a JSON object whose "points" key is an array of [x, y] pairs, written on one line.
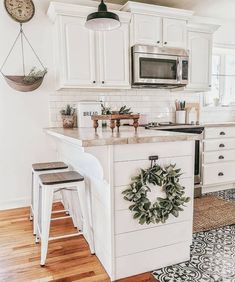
{"points": [[68, 259]]}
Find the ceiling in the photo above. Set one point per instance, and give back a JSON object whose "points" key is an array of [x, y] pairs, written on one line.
{"points": [[223, 9]]}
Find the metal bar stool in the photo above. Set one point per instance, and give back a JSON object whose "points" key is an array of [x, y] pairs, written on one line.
{"points": [[37, 169], [48, 185]]}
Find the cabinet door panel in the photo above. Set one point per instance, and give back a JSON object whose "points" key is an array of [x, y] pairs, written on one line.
{"points": [[174, 33], [114, 57], [147, 30], [200, 47], [78, 53]]}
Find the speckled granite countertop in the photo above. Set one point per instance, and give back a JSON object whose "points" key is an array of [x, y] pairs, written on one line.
{"points": [[86, 137]]}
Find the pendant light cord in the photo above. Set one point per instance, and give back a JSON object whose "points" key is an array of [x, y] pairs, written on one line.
{"points": [[22, 36]]}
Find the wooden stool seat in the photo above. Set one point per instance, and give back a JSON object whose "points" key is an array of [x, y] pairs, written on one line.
{"points": [[60, 178], [49, 166]]}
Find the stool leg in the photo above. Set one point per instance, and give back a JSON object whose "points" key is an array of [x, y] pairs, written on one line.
{"points": [[86, 222], [32, 198], [35, 203], [46, 209]]}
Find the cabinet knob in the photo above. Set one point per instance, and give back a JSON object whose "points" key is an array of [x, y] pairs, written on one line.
{"points": [[158, 41], [220, 174], [102, 82], [222, 133], [165, 42], [210, 85], [221, 145], [221, 157], [94, 81]]}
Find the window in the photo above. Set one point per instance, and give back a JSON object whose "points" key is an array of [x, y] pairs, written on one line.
{"points": [[223, 78]]}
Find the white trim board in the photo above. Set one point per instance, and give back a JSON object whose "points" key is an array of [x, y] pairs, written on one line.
{"points": [[15, 203]]}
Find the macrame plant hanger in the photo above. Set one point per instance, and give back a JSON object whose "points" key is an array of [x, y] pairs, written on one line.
{"points": [[17, 82]]}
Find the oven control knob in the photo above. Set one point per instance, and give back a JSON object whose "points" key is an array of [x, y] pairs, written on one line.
{"points": [[220, 174]]}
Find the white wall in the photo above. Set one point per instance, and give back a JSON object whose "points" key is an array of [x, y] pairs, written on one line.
{"points": [[23, 115]]}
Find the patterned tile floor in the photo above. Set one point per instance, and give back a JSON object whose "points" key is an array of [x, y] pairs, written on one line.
{"points": [[212, 256]]}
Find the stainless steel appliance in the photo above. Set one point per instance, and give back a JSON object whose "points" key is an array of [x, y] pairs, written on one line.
{"points": [[187, 128], [159, 67]]}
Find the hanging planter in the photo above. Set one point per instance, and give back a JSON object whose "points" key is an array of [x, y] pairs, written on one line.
{"points": [[31, 81]]}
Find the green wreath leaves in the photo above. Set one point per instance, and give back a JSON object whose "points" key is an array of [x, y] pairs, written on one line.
{"points": [[168, 179]]}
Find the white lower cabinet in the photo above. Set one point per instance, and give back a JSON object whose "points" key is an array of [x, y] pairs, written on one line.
{"points": [[85, 58], [218, 157]]}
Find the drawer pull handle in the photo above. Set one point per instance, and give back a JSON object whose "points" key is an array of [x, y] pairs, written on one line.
{"points": [[221, 145], [220, 174], [222, 133], [221, 157]]}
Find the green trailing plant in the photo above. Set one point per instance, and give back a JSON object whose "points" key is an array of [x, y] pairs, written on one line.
{"points": [[34, 75], [158, 211], [68, 111]]}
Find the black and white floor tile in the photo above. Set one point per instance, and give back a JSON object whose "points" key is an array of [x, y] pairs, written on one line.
{"points": [[212, 256]]}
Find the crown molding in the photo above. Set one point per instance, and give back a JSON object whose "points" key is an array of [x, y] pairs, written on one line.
{"points": [[142, 8]]}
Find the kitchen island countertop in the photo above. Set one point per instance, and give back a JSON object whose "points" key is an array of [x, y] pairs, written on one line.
{"points": [[87, 137]]}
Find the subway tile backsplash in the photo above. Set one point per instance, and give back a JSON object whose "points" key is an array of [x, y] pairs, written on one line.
{"points": [[158, 105]]}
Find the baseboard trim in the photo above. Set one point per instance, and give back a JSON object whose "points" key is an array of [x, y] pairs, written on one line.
{"points": [[22, 203], [15, 203]]}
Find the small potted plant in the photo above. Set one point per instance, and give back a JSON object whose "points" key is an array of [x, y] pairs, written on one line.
{"points": [[68, 116]]}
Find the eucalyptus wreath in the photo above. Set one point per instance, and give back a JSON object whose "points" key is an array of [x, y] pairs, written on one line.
{"points": [[154, 212]]}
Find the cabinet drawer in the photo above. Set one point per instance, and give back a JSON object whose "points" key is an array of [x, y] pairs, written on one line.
{"points": [[220, 132], [143, 151], [124, 171], [216, 157], [219, 144], [218, 173]]}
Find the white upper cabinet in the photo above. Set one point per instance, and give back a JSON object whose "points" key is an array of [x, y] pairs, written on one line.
{"points": [[76, 61], [158, 25], [200, 42], [174, 33], [114, 57], [154, 30], [88, 59], [147, 30], [200, 46]]}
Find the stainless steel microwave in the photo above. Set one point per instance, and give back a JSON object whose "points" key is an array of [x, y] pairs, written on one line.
{"points": [[159, 67]]}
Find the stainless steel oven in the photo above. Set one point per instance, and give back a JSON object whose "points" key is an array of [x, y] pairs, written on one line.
{"points": [[198, 147], [154, 66]]}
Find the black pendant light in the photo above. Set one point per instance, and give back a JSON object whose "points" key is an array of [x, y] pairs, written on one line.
{"points": [[102, 20]]}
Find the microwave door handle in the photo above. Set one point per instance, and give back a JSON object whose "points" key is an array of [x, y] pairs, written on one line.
{"points": [[179, 73]]}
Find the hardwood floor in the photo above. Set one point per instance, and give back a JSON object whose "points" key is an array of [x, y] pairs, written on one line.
{"points": [[68, 259]]}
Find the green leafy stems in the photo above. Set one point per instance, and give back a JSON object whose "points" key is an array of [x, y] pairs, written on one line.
{"points": [[34, 75], [122, 111], [68, 111], [160, 210]]}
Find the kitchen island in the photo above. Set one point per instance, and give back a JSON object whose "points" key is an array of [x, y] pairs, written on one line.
{"points": [[108, 162]]}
